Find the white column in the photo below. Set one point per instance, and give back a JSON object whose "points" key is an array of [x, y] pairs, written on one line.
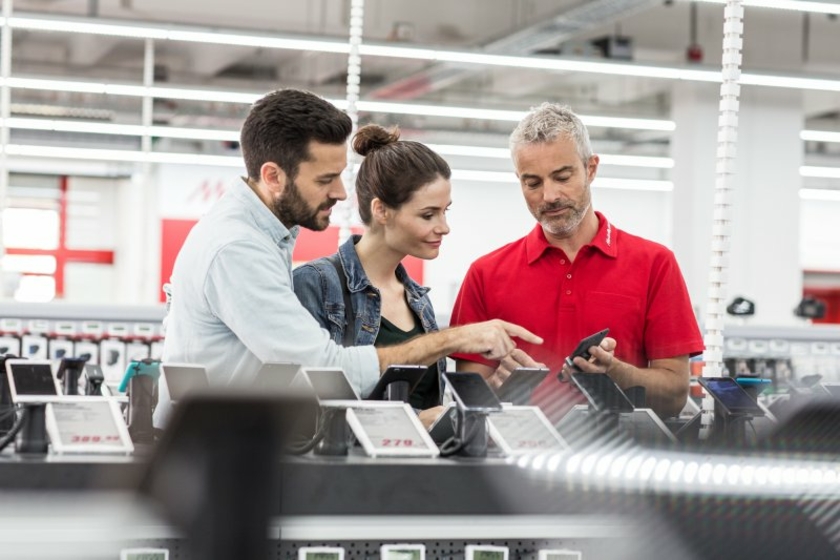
{"points": [[765, 265]]}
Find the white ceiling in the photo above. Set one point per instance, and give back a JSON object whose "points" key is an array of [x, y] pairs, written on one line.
{"points": [[774, 41]]}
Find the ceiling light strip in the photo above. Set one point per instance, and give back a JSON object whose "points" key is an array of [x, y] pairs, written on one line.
{"points": [[826, 195], [793, 5], [819, 172], [74, 86], [126, 156], [820, 136], [181, 33]]}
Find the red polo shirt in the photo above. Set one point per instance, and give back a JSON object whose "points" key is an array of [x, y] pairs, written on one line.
{"points": [[629, 284]]}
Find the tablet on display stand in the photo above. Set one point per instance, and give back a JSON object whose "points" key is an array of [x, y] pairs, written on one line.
{"points": [[32, 381]]}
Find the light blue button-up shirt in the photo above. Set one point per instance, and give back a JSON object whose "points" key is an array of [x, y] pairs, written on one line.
{"points": [[232, 303]]}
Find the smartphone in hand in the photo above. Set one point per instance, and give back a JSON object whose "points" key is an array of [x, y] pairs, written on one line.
{"points": [[582, 349]]}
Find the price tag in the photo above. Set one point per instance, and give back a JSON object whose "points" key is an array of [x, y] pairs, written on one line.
{"points": [[486, 552], [87, 425], [524, 429], [560, 555], [402, 552], [390, 429], [320, 553], [144, 554]]}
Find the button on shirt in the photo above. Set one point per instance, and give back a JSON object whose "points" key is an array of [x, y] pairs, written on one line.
{"points": [[233, 307]]}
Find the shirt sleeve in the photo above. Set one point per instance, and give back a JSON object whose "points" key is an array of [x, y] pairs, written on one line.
{"points": [[253, 296], [671, 327], [470, 308]]}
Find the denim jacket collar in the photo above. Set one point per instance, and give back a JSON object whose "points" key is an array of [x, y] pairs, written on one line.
{"points": [[357, 280]]}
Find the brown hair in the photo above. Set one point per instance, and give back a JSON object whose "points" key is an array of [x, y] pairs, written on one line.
{"points": [[393, 169]]}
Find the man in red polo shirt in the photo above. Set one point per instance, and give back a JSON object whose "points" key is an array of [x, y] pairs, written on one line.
{"points": [[575, 274]]}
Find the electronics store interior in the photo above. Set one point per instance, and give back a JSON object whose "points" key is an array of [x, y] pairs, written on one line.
{"points": [[390, 163]]}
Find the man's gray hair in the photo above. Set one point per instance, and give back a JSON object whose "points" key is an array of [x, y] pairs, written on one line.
{"points": [[547, 123]]}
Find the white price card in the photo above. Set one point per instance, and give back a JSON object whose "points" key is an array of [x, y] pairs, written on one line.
{"points": [[486, 552], [560, 555], [390, 429], [402, 552], [320, 553], [524, 429], [87, 425], [144, 554]]}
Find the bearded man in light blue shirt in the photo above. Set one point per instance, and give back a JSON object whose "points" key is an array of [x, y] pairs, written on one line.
{"points": [[232, 305]]}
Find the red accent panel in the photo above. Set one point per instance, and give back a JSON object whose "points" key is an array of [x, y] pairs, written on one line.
{"points": [[831, 297], [173, 234], [310, 245]]}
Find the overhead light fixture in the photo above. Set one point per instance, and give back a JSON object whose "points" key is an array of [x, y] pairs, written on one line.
{"points": [[820, 136], [504, 153], [128, 156], [820, 172], [600, 182], [266, 40], [826, 195], [793, 5], [122, 129], [75, 86]]}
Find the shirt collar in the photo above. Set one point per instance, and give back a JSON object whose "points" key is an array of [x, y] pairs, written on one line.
{"points": [[263, 217], [605, 240]]}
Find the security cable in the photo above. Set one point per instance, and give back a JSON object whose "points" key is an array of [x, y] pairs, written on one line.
{"points": [[10, 435], [323, 423]]}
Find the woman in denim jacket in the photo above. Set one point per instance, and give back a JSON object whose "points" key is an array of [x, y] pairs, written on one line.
{"points": [[403, 192]]}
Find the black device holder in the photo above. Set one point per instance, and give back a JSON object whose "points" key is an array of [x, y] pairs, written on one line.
{"points": [[32, 438], [398, 391], [71, 380], [729, 430], [336, 433], [472, 432], [142, 398]]}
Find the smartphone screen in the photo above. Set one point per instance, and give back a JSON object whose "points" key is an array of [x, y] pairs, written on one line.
{"points": [[472, 392], [518, 387], [602, 392], [732, 396]]}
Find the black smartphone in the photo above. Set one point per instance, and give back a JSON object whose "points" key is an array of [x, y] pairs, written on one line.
{"points": [[582, 349], [519, 385], [409, 374], [602, 392], [472, 393], [731, 396], [70, 363]]}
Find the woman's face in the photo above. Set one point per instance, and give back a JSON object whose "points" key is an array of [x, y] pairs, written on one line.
{"points": [[419, 225]]}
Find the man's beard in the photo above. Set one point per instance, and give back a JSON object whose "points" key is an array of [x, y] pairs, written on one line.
{"points": [[570, 223], [293, 210]]}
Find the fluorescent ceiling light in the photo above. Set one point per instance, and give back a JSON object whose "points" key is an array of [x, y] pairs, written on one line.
{"points": [[128, 156], [794, 5], [820, 194], [821, 172], [504, 153], [122, 129], [820, 136], [73, 86], [600, 182], [256, 39]]}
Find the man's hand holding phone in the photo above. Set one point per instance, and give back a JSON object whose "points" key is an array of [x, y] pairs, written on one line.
{"points": [[594, 354]]}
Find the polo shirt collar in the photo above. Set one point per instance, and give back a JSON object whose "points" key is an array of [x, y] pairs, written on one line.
{"points": [[263, 217], [605, 240]]}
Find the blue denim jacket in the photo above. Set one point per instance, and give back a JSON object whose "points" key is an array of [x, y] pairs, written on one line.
{"points": [[319, 290]]}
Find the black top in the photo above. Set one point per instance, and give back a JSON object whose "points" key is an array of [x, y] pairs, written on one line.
{"points": [[427, 393]]}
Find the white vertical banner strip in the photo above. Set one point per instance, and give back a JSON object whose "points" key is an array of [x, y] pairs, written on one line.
{"points": [[354, 72], [733, 28], [5, 112]]}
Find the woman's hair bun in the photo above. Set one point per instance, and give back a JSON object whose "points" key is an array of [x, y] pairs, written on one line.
{"points": [[372, 137]]}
